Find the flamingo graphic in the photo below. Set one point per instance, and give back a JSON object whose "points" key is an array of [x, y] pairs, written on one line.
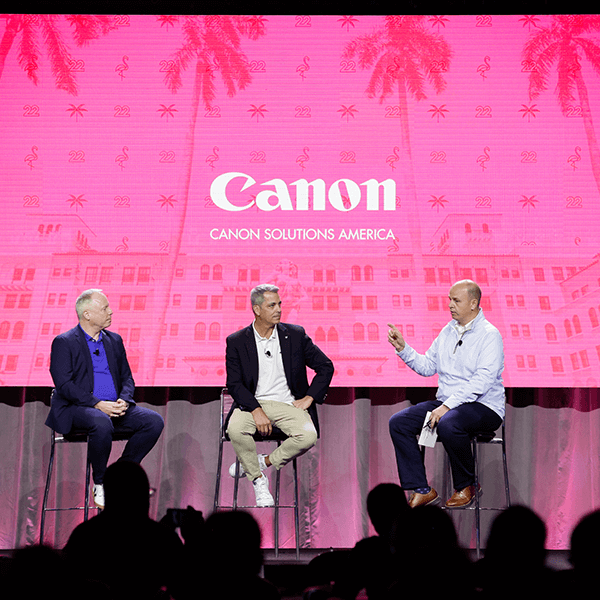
{"points": [[122, 67], [212, 158], [123, 247], [302, 158], [30, 158], [484, 158], [393, 158], [303, 67], [122, 158], [483, 68], [575, 158]]}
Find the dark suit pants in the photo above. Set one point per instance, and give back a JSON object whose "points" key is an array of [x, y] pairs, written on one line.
{"points": [[146, 424], [454, 430]]}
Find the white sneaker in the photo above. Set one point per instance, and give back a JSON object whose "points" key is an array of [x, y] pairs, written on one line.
{"points": [[261, 490], [261, 464], [99, 495]]}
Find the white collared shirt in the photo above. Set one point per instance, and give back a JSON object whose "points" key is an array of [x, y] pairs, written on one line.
{"points": [[469, 371], [272, 384]]}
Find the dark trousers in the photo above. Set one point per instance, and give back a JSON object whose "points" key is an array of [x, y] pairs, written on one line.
{"points": [[146, 425], [454, 429]]}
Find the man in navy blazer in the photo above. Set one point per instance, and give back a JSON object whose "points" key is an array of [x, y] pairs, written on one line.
{"points": [[266, 376], [94, 389]]}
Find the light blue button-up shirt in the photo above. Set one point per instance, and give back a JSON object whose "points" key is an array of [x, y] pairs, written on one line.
{"points": [[469, 362]]}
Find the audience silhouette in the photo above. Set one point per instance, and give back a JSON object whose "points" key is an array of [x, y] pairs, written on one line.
{"points": [[428, 556], [515, 556], [123, 553], [136, 557], [584, 557], [38, 572], [369, 564], [232, 558]]}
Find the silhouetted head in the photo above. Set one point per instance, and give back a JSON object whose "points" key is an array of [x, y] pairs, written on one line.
{"points": [[126, 487], [428, 531], [517, 523], [384, 502], [234, 538], [585, 551], [424, 528]]}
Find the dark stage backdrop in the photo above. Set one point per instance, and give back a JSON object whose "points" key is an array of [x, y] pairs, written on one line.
{"points": [[553, 455]]}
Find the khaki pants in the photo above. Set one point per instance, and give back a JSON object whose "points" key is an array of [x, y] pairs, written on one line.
{"points": [[292, 421]]}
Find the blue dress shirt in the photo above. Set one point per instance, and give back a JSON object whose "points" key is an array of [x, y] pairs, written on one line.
{"points": [[104, 386]]}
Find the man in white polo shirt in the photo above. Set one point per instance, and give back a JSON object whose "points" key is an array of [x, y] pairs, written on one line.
{"points": [[266, 376]]}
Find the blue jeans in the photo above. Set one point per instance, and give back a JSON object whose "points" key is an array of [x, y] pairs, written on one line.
{"points": [[454, 429], [146, 425]]}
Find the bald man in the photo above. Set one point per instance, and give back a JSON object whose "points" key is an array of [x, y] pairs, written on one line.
{"points": [[94, 389], [468, 357]]}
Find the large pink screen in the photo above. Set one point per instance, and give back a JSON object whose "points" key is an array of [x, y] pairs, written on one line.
{"points": [[361, 163]]}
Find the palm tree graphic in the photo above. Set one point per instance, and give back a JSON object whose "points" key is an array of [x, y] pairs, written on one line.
{"points": [[76, 201], [564, 43], [529, 111], [529, 21], [348, 21], [348, 111], [167, 201], [27, 29], [438, 202], [167, 111], [438, 21], [257, 111], [167, 20], [438, 111], [77, 111], [208, 40], [528, 201], [400, 55]]}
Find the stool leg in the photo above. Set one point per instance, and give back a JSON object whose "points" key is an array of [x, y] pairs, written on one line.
{"points": [[236, 482], [47, 488], [505, 465], [276, 513], [477, 513], [296, 510], [88, 469], [219, 467]]}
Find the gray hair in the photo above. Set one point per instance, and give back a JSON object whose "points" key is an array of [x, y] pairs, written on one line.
{"points": [[257, 295], [473, 289], [84, 300]]}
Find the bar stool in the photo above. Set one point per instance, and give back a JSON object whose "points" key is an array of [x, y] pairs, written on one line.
{"points": [[276, 436], [74, 436], [477, 440], [488, 438]]}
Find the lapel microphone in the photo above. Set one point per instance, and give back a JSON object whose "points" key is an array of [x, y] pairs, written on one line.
{"points": [[97, 352]]}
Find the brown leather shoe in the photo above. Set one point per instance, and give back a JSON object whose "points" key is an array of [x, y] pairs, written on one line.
{"points": [[462, 498], [417, 499]]}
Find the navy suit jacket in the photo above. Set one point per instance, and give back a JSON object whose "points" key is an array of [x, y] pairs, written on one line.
{"points": [[297, 351], [73, 374]]}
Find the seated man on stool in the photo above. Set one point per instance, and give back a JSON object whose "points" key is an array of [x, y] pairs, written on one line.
{"points": [[468, 356], [266, 377], [94, 389]]}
